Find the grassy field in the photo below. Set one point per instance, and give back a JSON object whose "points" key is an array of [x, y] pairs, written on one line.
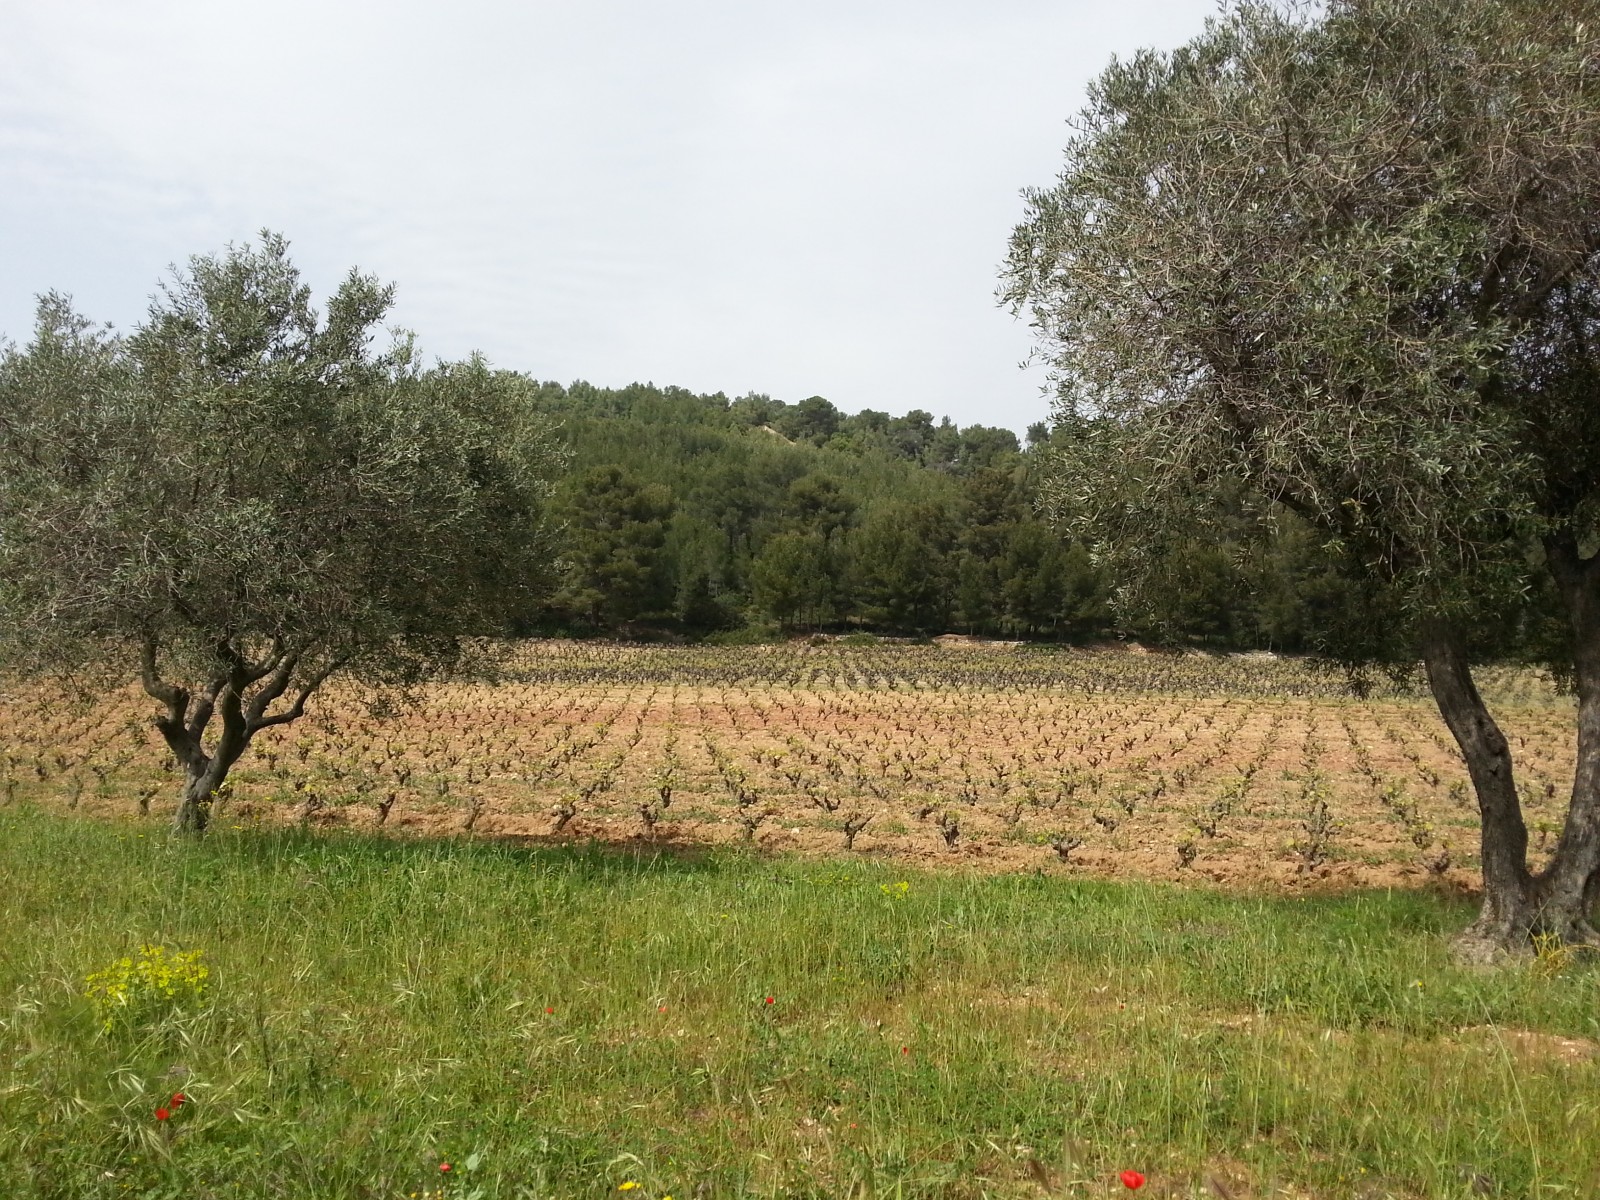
{"points": [[1100, 912], [570, 1021]]}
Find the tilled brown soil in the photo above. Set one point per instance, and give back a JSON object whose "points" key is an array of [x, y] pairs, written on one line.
{"points": [[1249, 773]]}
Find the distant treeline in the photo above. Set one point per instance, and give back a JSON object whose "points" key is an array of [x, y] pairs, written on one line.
{"points": [[701, 515]]}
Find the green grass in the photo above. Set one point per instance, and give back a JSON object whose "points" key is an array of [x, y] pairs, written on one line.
{"points": [[378, 1006]]}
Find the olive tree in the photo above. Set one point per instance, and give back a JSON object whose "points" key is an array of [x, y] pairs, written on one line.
{"points": [[244, 498], [1346, 258]]}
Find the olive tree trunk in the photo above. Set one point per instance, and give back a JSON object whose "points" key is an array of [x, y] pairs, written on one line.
{"points": [[239, 697], [1572, 880], [193, 813], [205, 772], [1518, 903]]}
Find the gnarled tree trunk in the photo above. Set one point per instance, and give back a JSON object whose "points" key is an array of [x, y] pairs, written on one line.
{"points": [[1572, 880], [193, 813], [243, 713], [204, 773], [1519, 904]]}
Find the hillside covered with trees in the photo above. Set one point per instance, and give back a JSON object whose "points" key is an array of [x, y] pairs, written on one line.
{"points": [[697, 515]]}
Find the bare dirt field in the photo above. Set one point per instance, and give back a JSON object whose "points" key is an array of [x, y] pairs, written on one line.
{"points": [[1245, 771]]}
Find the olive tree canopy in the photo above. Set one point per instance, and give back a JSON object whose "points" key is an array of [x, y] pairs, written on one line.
{"points": [[245, 497], [1347, 258]]}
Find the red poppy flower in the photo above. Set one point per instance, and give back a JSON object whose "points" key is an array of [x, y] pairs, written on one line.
{"points": [[162, 1114], [444, 1168], [549, 1010], [1132, 1179], [769, 999], [905, 1049], [179, 1099]]}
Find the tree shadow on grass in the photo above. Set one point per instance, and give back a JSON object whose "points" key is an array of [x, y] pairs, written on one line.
{"points": [[588, 860]]}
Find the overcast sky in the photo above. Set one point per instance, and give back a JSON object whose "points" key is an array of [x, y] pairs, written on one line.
{"points": [[795, 198]]}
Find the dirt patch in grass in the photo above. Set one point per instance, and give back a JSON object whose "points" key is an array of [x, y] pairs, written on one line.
{"points": [[1533, 1046]]}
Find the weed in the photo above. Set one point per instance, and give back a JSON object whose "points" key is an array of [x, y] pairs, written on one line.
{"points": [[139, 988]]}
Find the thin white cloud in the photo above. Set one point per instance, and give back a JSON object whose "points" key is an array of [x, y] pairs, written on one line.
{"points": [[754, 196]]}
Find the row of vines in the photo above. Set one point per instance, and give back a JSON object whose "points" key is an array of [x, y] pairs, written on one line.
{"points": [[1115, 763]]}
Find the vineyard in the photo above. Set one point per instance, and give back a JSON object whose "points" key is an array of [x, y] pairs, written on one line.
{"points": [[1242, 770], [505, 939]]}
